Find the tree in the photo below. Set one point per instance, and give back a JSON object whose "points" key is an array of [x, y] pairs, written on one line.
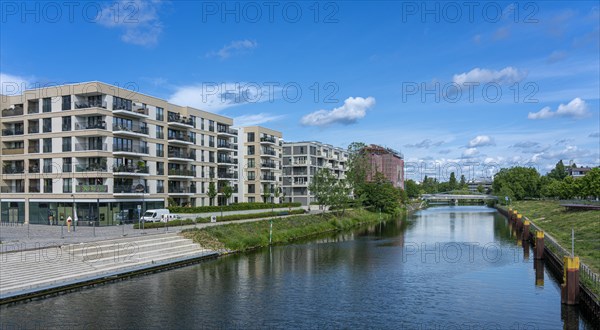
{"points": [[480, 188], [463, 182], [212, 192], [558, 172], [358, 167], [521, 181], [380, 194], [339, 195], [411, 188], [452, 184], [277, 193], [590, 183], [266, 193], [322, 187], [227, 192]]}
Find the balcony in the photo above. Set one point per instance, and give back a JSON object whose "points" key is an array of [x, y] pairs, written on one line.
{"points": [[130, 170], [34, 169], [33, 149], [180, 155], [176, 172], [34, 189], [85, 126], [87, 105], [90, 168], [268, 165], [13, 151], [226, 145], [226, 175], [16, 111], [86, 188], [182, 190], [90, 147], [181, 139], [227, 160], [226, 131], [134, 150], [129, 190], [269, 152], [13, 170], [135, 130], [183, 122], [33, 129], [13, 131], [268, 178], [12, 190], [136, 112], [268, 139]]}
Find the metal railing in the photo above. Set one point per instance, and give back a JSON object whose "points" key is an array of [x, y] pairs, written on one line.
{"points": [[90, 147], [227, 145], [33, 129], [131, 169], [183, 138], [16, 111], [7, 189], [134, 129], [85, 126], [182, 172], [226, 130], [133, 149], [128, 190], [268, 139], [13, 170], [181, 154], [86, 188], [86, 105], [90, 168], [181, 120], [222, 175], [10, 132]]}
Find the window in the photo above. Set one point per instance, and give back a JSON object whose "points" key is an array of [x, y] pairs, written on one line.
{"points": [[250, 162], [47, 165], [47, 105], [67, 185], [250, 136], [66, 102], [66, 123], [66, 144], [251, 200], [193, 120], [250, 150], [160, 114], [251, 189], [48, 185], [47, 125], [202, 123], [67, 165], [160, 133], [160, 168], [202, 139], [211, 125], [121, 104], [211, 141], [120, 144], [47, 145], [160, 186], [160, 150], [251, 175]]}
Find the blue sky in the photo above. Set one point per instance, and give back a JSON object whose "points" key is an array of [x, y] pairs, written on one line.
{"points": [[453, 87]]}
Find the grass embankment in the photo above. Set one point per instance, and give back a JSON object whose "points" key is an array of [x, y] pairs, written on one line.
{"points": [[555, 220], [232, 217], [251, 235]]}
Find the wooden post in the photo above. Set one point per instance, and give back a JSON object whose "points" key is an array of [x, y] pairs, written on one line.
{"points": [[539, 272], [526, 225], [519, 222], [570, 286], [539, 245]]}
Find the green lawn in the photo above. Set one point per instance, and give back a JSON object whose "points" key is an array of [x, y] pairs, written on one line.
{"points": [[556, 221]]}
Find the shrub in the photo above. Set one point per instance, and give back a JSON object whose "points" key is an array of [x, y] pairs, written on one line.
{"points": [[232, 207]]}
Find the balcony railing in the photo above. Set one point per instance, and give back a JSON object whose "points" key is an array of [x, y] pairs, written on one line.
{"points": [[268, 139], [269, 152], [7, 190], [181, 154], [9, 132], [90, 168], [33, 108], [128, 190], [13, 170], [13, 151], [160, 190], [33, 129], [182, 190], [184, 138], [226, 130], [67, 168], [34, 169], [224, 175], [269, 164], [86, 188], [134, 149], [134, 129], [182, 120], [85, 126], [182, 172], [131, 169], [268, 178], [33, 149], [16, 111], [227, 145], [227, 160], [136, 109], [86, 105]]}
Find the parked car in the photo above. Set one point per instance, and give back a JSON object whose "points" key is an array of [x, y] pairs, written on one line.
{"points": [[154, 215]]}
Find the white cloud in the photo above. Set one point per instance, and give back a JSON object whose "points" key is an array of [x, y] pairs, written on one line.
{"points": [[354, 108], [568, 153], [576, 109], [470, 153], [138, 19], [481, 141], [12, 85], [426, 144], [216, 97], [234, 48], [255, 119], [508, 75]]}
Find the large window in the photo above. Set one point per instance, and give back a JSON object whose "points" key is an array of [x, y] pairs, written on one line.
{"points": [[160, 168], [160, 113], [47, 165], [160, 186], [66, 144], [47, 104], [67, 185], [251, 175], [250, 150], [67, 165], [121, 144], [250, 136], [66, 123], [66, 102], [121, 104], [47, 125], [160, 150], [160, 133], [48, 185], [251, 163], [48, 145], [251, 189]]}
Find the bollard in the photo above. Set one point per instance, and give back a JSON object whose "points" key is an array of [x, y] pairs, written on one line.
{"points": [[570, 287], [539, 272], [519, 222], [526, 225], [525, 250], [539, 245]]}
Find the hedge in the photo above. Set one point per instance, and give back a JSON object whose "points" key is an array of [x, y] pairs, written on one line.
{"points": [[232, 207]]}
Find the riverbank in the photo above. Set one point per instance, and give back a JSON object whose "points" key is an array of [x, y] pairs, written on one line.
{"points": [[557, 221], [246, 236]]}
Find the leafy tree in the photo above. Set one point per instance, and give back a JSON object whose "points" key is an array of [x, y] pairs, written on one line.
{"points": [[452, 184], [212, 192], [322, 187], [380, 194], [590, 183], [559, 172], [277, 193], [521, 181], [358, 167], [480, 188], [227, 192], [340, 195], [266, 193], [411, 188], [463, 182]]}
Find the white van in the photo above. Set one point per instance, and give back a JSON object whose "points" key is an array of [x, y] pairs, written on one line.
{"points": [[155, 215]]}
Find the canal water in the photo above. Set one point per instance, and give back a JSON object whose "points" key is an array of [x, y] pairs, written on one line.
{"points": [[441, 268]]}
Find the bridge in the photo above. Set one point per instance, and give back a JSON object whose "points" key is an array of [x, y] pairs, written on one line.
{"points": [[449, 197]]}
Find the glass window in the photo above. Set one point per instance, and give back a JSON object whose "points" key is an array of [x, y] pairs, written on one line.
{"points": [[66, 144], [47, 145], [47, 104], [121, 104], [47, 165], [47, 185], [47, 125], [160, 150], [67, 165], [160, 168], [250, 162], [251, 175], [250, 136], [250, 150], [160, 114], [67, 185], [66, 123], [251, 189], [160, 133], [66, 102]]}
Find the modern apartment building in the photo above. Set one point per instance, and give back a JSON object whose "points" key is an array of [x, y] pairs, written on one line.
{"points": [[101, 151], [301, 160], [260, 170], [386, 161]]}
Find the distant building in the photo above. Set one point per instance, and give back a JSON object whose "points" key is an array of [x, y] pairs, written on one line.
{"points": [[387, 161], [474, 184], [578, 172]]}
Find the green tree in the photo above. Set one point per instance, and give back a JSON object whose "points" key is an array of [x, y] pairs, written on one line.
{"points": [[277, 193], [227, 192], [358, 167], [559, 172], [266, 193], [340, 195], [452, 184], [380, 194], [212, 192], [521, 181], [463, 182], [590, 184], [322, 187], [411, 188], [480, 188]]}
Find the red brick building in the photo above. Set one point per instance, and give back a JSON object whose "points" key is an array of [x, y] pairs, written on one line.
{"points": [[387, 161]]}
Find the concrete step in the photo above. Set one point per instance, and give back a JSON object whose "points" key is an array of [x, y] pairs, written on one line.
{"points": [[132, 259], [92, 247], [129, 249]]}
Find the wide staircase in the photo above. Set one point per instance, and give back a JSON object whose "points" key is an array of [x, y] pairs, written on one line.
{"points": [[23, 272]]}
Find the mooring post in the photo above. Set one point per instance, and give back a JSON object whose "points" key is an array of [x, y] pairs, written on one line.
{"points": [[526, 225], [539, 245], [519, 222], [570, 286], [539, 272]]}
